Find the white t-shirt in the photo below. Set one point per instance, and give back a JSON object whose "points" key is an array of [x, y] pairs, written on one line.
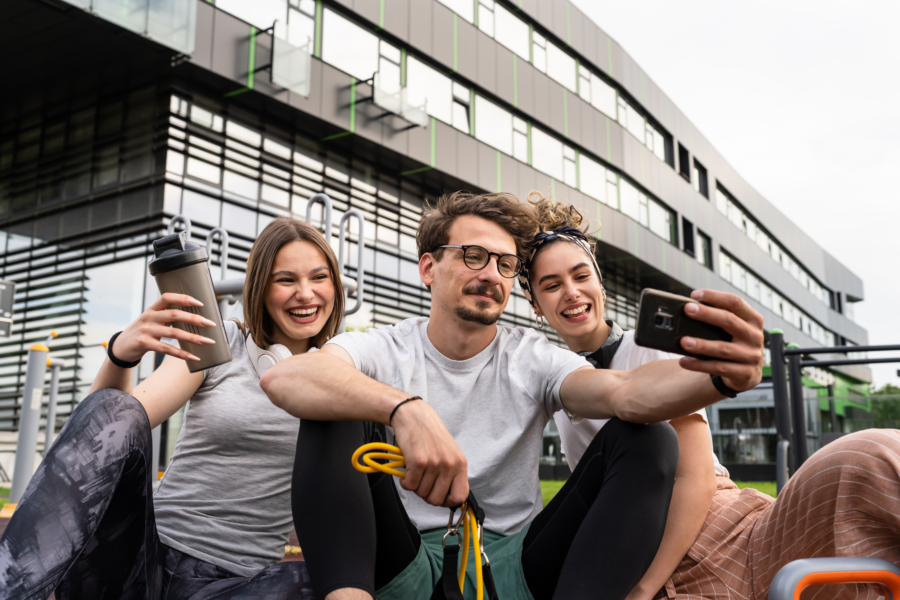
{"points": [[495, 405], [575, 437]]}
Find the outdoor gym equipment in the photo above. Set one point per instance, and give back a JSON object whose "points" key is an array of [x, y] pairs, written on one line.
{"points": [[787, 389], [794, 577]]}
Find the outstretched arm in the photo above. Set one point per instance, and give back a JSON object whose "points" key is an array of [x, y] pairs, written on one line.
{"points": [[668, 389], [325, 386]]}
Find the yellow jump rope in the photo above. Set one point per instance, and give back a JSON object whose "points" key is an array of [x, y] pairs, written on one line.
{"points": [[377, 451]]}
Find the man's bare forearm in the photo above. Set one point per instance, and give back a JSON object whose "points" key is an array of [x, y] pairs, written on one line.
{"points": [[657, 391], [323, 387]]}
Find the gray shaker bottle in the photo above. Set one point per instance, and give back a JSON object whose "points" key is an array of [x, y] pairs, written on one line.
{"points": [[181, 267]]}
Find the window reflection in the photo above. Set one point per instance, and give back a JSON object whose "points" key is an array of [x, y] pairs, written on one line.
{"points": [[493, 125], [464, 8], [348, 46], [261, 13], [561, 67], [426, 85]]}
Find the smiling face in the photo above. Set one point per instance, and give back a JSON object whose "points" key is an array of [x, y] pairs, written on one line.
{"points": [[299, 294], [475, 296], [569, 294]]}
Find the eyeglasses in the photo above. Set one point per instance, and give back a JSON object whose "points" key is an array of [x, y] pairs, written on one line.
{"points": [[477, 258]]}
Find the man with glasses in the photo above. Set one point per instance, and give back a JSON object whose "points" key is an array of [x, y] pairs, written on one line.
{"points": [[467, 402]]}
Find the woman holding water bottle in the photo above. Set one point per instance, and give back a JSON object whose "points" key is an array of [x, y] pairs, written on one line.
{"points": [[88, 525]]}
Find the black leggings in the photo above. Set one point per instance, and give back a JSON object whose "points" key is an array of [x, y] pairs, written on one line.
{"points": [[596, 538], [86, 528]]}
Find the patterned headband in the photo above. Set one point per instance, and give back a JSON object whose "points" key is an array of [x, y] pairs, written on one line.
{"points": [[566, 232]]}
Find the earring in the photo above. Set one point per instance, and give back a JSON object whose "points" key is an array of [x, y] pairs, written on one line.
{"points": [[539, 321]]}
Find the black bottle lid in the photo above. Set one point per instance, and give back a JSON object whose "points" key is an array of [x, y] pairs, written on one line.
{"points": [[173, 252]]}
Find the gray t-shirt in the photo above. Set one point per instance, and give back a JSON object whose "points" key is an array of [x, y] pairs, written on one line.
{"points": [[495, 405], [226, 496]]}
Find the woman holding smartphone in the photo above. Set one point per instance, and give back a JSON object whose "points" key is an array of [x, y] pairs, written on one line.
{"points": [[87, 526], [720, 542]]}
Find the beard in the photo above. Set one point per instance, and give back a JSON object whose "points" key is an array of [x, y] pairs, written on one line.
{"points": [[481, 314]]}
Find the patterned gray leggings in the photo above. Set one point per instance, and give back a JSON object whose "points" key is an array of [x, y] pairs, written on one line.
{"points": [[85, 526]]}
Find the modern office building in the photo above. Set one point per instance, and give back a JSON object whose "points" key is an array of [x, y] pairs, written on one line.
{"points": [[120, 114]]}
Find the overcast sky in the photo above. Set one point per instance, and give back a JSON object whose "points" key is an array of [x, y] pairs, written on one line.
{"points": [[802, 98]]}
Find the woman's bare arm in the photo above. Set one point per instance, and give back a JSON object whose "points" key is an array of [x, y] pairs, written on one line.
{"points": [[695, 485]]}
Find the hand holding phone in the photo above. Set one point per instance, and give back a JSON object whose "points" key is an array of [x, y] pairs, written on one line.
{"points": [[718, 332]]}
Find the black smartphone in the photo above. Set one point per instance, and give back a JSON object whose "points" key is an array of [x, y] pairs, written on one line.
{"points": [[662, 323]]}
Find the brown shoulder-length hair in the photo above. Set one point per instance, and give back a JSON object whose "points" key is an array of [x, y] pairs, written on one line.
{"points": [[279, 232], [517, 218]]}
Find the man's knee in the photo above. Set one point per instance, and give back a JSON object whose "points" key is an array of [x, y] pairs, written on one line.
{"points": [[653, 447]]}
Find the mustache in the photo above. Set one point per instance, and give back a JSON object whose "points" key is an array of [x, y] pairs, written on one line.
{"points": [[484, 290]]}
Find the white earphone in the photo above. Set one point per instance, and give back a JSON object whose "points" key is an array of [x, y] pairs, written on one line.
{"points": [[263, 360]]}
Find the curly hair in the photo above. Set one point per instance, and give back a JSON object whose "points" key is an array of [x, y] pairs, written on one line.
{"points": [[552, 215]]}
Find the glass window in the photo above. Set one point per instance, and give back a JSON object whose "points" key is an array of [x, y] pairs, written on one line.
{"points": [[240, 185], [348, 46], [200, 208], [612, 188], [238, 220], [539, 49], [660, 220], [511, 31], [464, 8], [426, 85], [203, 170], [493, 125], [561, 67], [703, 249], [239, 132], [546, 154], [721, 201], [629, 200], [520, 139], [175, 162], [486, 17], [592, 177], [603, 97], [203, 117], [113, 298], [261, 13], [570, 170], [632, 120]]}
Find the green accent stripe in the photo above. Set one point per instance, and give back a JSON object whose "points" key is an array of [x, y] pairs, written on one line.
{"points": [[515, 81], [433, 142], [499, 178], [403, 67], [251, 62], [318, 48], [353, 105], [236, 92], [381, 14], [414, 171], [337, 136], [565, 112], [455, 42]]}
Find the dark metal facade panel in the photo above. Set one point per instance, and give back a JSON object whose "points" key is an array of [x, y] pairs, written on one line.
{"points": [[505, 76], [396, 18], [557, 95], [313, 103], [487, 62], [336, 97], [231, 46], [442, 34], [467, 50], [420, 144], [420, 24], [487, 167], [369, 9], [525, 85], [509, 172], [467, 158], [203, 36], [446, 154]]}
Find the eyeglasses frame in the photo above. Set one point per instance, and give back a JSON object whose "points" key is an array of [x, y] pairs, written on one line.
{"points": [[490, 254]]}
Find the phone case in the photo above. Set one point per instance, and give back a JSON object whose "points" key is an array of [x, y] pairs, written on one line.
{"points": [[662, 323]]}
